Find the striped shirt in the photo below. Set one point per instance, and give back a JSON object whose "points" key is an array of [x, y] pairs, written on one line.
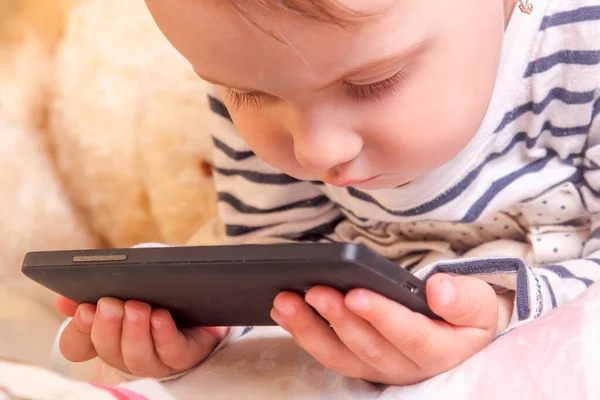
{"points": [[518, 207]]}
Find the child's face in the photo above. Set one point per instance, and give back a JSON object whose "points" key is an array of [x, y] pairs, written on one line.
{"points": [[392, 98]]}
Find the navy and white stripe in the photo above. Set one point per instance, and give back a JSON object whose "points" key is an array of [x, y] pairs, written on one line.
{"points": [[546, 135]]}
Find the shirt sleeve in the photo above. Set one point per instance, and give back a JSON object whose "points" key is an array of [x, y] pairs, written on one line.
{"points": [[540, 289], [259, 204]]}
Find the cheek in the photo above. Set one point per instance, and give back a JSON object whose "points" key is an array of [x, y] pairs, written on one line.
{"points": [[269, 141], [419, 146], [426, 134], [435, 115], [264, 137]]}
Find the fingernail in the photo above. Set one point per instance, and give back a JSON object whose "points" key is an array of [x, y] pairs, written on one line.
{"points": [[286, 309], [86, 316], [447, 291], [156, 323], [361, 301], [108, 310], [132, 315]]}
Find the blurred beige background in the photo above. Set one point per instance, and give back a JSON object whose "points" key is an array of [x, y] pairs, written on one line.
{"points": [[104, 142]]}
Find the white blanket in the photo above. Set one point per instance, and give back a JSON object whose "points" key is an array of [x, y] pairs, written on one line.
{"points": [[555, 357]]}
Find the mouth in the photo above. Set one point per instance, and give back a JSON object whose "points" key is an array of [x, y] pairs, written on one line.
{"points": [[353, 182]]}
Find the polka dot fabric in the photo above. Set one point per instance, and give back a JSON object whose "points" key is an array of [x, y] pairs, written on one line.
{"points": [[554, 226]]}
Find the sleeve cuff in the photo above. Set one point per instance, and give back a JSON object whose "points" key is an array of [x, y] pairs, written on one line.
{"points": [[533, 294], [233, 334]]}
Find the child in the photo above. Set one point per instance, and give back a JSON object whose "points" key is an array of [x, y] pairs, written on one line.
{"points": [[459, 140]]}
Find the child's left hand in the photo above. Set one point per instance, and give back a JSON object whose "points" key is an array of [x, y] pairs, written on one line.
{"points": [[379, 340]]}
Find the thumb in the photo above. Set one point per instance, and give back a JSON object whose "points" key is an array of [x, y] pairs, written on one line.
{"points": [[463, 301], [75, 341]]}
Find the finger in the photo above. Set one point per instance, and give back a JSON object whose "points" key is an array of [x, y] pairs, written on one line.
{"points": [[413, 334], [66, 306], [75, 342], [137, 346], [433, 345], [181, 350], [358, 334], [315, 336], [506, 304], [463, 301], [107, 330]]}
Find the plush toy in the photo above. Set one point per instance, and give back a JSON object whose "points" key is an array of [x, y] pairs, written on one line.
{"points": [[129, 124], [35, 210], [104, 142], [104, 132]]}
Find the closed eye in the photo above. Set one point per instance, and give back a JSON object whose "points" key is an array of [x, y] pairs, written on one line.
{"points": [[372, 91], [249, 100], [375, 91]]}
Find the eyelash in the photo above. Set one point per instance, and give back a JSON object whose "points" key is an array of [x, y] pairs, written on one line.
{"points": [[249, 100], [373, 91]]}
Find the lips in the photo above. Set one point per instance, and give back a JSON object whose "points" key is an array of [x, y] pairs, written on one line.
{"points": [[353, 182]]}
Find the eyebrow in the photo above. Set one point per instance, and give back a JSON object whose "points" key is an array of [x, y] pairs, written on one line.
{"points": [[372, 64]]}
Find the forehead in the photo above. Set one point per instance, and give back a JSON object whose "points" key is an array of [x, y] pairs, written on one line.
{"points": [[223, 45]]}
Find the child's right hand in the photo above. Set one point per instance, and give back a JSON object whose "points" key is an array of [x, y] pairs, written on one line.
{"points": [[133, 338]]}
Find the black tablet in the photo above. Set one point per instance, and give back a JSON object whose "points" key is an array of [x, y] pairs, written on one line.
{"points": [[221, 285]]}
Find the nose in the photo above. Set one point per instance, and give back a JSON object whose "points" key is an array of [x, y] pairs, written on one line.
{"points": [[324, 146]]}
